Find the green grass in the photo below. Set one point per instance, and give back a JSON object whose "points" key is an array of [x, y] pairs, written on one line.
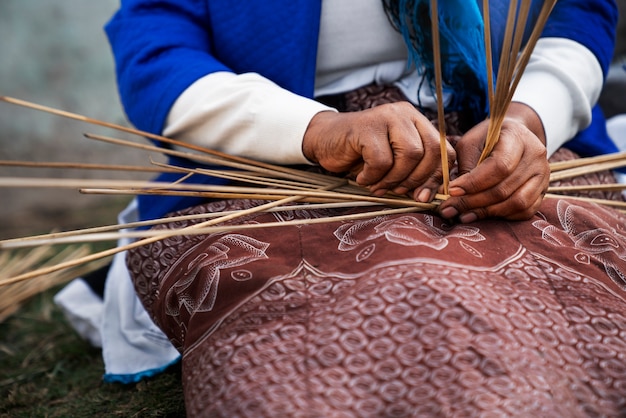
{"points": [[47, 370]]}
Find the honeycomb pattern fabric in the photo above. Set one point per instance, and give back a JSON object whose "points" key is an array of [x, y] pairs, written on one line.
{"points": [[396, 316]]}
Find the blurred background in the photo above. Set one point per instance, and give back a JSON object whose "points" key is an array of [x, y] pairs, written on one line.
{"points": [[55, 53], [620, 49]]}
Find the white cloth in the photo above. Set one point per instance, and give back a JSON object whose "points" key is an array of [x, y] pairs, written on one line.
{"points": [[616, 126], [348, 45], [245, 115], [133, 347], [83, 310]]}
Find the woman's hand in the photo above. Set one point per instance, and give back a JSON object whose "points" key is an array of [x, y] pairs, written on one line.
{"points": [[392, 147], [511, 182]]}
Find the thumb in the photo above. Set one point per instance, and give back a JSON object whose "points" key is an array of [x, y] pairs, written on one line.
{"points": [[469, 148]]}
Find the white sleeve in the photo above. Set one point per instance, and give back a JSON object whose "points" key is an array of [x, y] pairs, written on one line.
{"points": [[245, 115], [562, 83]]}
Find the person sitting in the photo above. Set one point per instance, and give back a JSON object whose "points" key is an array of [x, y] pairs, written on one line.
{"points": [[498, 302]]}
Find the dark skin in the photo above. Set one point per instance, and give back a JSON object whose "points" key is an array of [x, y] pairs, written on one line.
{"points": [[395, 148]]}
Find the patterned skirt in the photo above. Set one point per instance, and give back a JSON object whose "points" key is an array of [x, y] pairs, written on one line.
{"points": [[396, 316]]}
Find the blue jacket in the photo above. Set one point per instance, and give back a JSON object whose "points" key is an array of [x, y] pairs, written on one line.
{"points": [[162, 46]]}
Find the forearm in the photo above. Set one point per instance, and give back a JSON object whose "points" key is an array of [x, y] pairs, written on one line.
{"points": [[245, 115]]}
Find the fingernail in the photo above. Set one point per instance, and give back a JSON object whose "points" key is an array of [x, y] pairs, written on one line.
{"points": [[456, 191], [380, 192], [468, 217], [401, 190], [424, 196], [449, 212]]}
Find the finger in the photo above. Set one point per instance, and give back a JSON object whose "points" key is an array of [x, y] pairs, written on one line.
{"points": [[377, 157], [470, 147], [499, 172], [504, 211], [408, 158], [427, 173], [415, 153], [425, 191], [520, 204]]}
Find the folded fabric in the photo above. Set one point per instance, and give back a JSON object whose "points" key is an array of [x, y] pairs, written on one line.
{"points": [[133, 347]]}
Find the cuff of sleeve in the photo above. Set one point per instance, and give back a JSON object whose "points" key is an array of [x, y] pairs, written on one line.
{"points": [[282, 119], [561, 94], [555, 113], [245, 115]]}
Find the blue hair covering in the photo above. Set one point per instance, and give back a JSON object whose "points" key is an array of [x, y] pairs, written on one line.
{"points": [[462, 45]]}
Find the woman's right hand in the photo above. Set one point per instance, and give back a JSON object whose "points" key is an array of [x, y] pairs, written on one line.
{"points": [[391, 147]]}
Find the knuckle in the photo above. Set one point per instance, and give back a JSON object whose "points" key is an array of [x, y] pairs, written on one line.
{"points": [[502, 167], [392, 109], [482, 213], [414, 154], [402, 105], [462, 206], [501, 193], [430, 182], [381, 164], [518, 204]]}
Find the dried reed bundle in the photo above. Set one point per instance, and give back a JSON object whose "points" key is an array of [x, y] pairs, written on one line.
{"points": [[513, 61], [14, 263], [284, 188], [280, 186]]}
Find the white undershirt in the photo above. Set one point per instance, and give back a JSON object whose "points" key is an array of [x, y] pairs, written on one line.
{"points": [[250, 116]]}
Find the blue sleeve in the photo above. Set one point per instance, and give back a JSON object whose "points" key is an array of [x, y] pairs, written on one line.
{"points": [[160, 48], [591, 23]]}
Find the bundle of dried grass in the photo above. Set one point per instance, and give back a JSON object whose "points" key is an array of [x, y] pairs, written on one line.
{"points": [[513, 61], [14, 263]]}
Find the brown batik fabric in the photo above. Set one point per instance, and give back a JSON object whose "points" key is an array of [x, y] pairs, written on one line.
{"points": [[404, 315], [399, 315]]}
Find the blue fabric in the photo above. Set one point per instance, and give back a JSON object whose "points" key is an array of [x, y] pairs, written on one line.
{"points": [[498, 11], [163, 46], [127, 379], [590, 23], [461, 45], [155, 206]]}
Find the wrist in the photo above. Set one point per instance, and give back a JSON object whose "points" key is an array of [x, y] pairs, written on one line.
{"points": [[315, 130], [526, 115]]}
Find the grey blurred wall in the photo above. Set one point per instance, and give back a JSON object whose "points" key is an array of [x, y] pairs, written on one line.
{"points": [[55, 53]]}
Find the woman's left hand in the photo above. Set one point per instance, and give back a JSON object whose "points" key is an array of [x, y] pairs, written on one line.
{"points": [[511, 182]]}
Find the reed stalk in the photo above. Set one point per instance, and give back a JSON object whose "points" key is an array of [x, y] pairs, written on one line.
{"points": [[281, 188]]}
